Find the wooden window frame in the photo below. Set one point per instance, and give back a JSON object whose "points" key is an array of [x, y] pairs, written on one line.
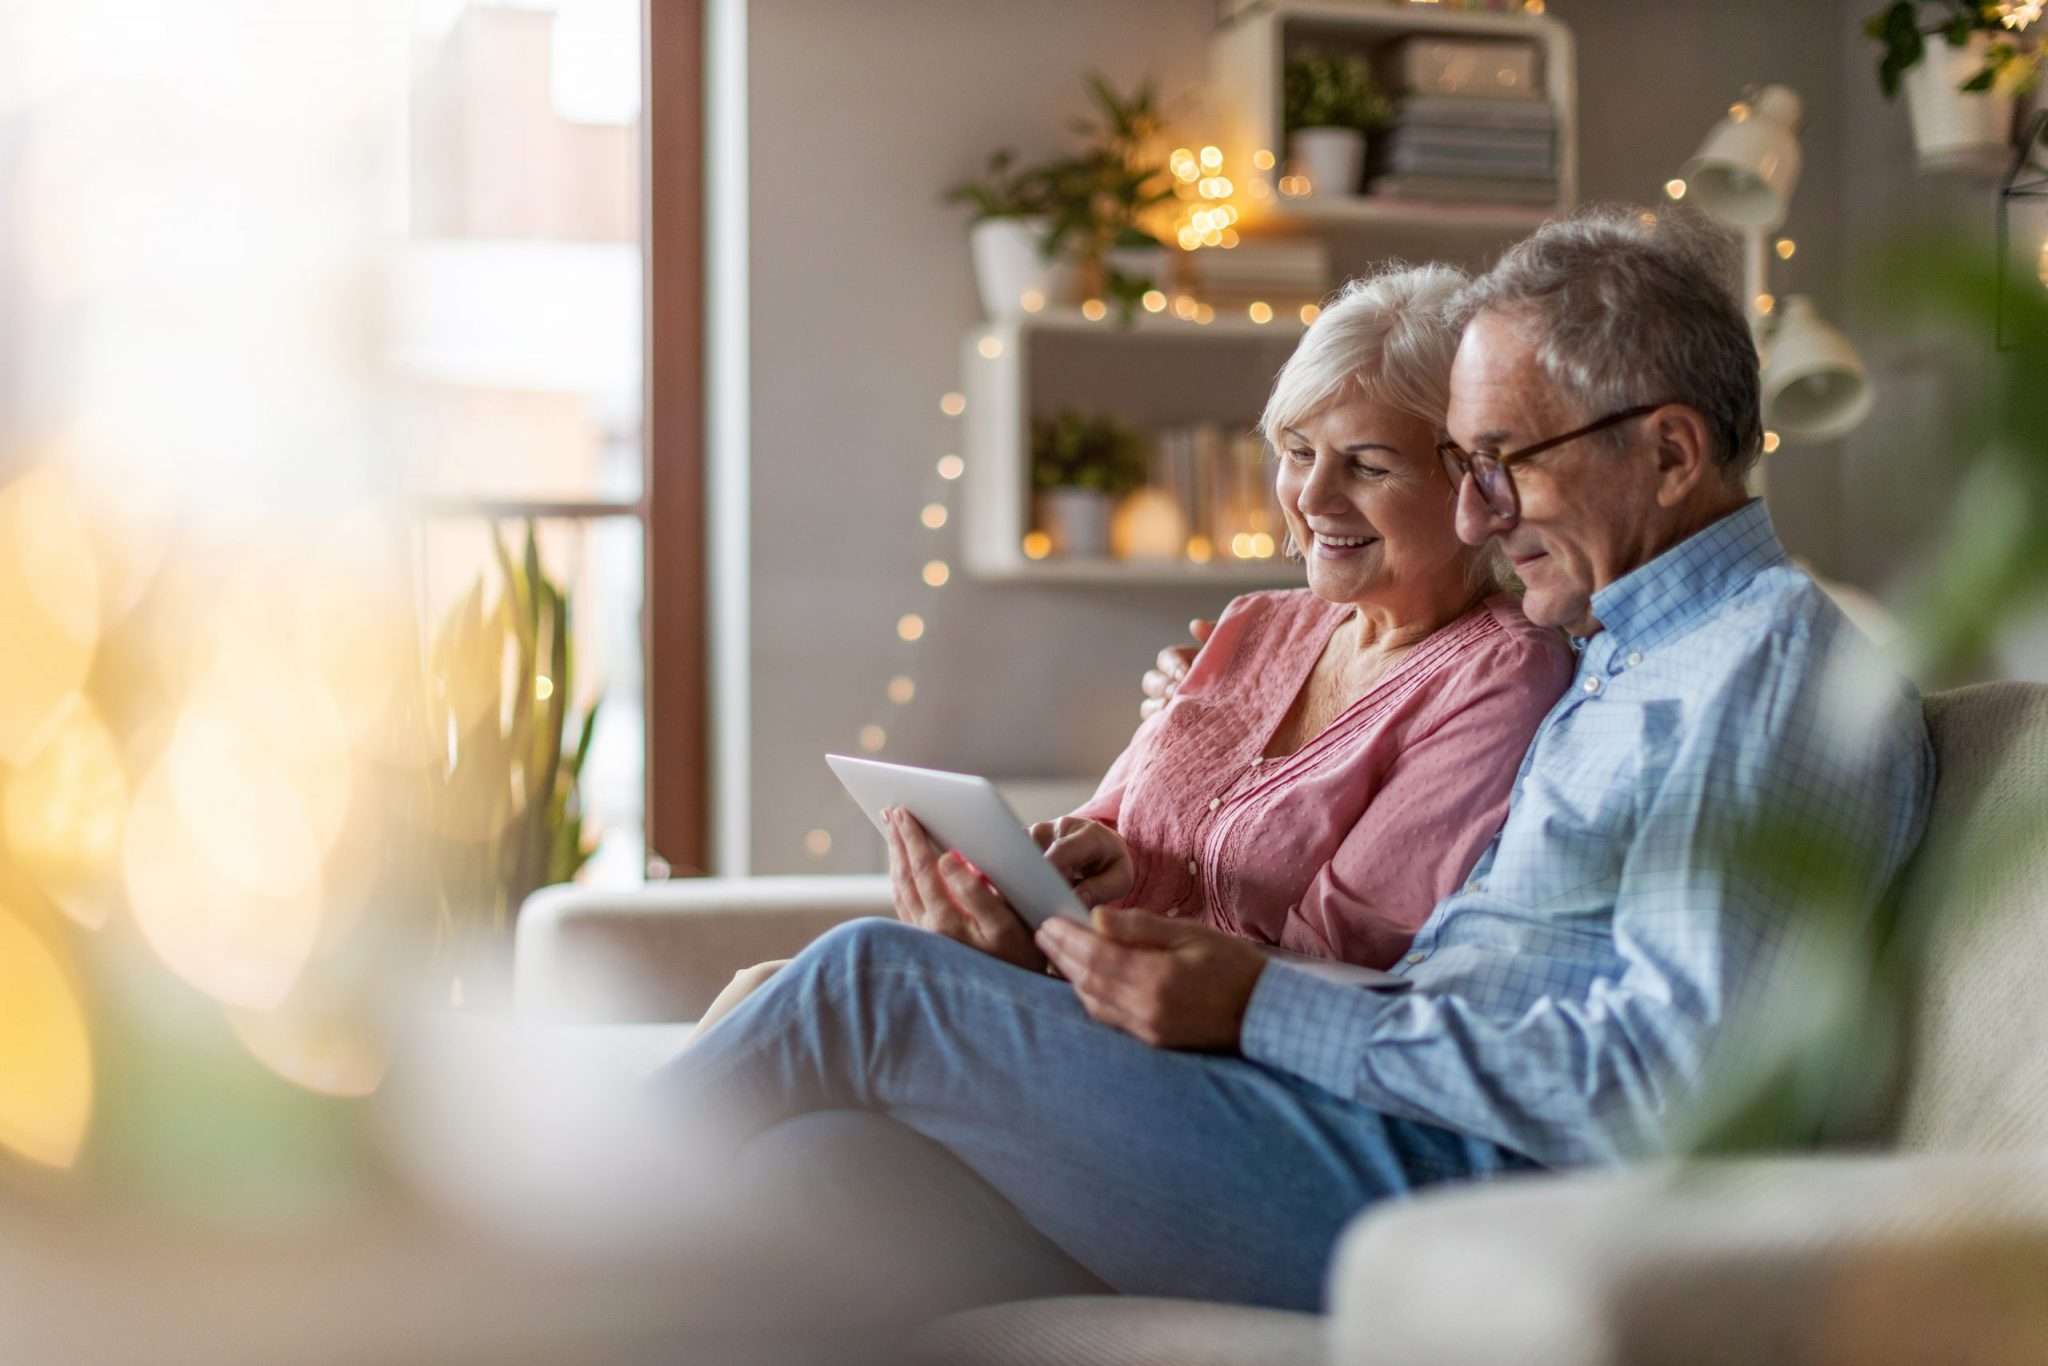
{"points": [[675, 616]]}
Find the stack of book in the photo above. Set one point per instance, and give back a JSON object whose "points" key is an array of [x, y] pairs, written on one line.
{"points": [[1223, 485], [1473, 125], [1285, 273]]}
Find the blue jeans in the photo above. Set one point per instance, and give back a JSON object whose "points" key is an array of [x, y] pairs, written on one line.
{"points": [[1163, 1173]]}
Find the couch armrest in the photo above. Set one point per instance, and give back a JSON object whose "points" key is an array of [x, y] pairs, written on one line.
{"points": [[662, 951], [1871, 1260]]}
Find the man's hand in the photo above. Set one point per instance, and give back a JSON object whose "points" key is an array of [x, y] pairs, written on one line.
{"points": [[948, 896], [1170, 668], [1093, 858], [1170, 983]]}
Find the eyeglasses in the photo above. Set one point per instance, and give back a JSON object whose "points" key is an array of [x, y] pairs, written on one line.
{"points": [[1489, 469]]}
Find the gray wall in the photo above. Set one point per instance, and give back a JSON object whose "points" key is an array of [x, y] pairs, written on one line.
{"points": [[862, 112]]}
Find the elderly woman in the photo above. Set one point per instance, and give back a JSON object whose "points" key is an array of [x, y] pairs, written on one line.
{"points": [[1338, 755]]}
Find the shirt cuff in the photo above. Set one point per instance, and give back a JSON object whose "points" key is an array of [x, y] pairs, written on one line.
{"points": [[1312, 1027]]}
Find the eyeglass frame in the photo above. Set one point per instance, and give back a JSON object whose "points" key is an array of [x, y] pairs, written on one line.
{"points": [[1457, 462]]}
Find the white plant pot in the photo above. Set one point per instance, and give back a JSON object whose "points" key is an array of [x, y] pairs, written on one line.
{"points": [[1333, 159], [1077, 521], [1952, 130], [1008, 268]]}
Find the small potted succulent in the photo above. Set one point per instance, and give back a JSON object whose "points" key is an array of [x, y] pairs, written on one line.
{"points": [[1960, 90], [1331, 103], [1081, 464]]}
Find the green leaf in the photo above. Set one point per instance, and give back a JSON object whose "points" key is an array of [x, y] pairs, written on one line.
{"points": [[1981, 81]]}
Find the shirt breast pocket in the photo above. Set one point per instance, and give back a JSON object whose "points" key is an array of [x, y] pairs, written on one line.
{"points": [[1592, 788]]}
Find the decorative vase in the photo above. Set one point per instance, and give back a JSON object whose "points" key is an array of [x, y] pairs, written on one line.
{"points": [[1333, 159], [1009, 269], [1077, 521], [1955, 130]]}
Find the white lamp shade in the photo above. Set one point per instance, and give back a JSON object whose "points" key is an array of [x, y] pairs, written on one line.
{"points": [[1746, 170], [1814, 385]]}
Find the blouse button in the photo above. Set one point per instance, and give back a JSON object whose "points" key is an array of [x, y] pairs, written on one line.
{"points": [[1215, 802], [1635, 659], [1417, 957], [1193, 867], [1592, 685]]}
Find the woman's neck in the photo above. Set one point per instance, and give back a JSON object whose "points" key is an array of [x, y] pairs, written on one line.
{"points": [[1384, 625]]}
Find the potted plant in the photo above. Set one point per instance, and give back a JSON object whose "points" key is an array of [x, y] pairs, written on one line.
{"points": [[1330, 104], [1101, 196], [1959, 93], [1080, 465], [1013, 262]]}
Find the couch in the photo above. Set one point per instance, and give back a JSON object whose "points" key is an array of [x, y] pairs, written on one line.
{"points": [[1927, 1242]]}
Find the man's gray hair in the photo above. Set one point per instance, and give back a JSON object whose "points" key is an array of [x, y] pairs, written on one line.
{"points": [[1636, 307]]}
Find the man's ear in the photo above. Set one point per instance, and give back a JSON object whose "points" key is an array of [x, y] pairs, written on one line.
{"points": [[1683, 450]]}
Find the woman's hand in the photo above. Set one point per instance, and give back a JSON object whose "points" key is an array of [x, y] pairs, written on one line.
{"points": [[948, 896], [1163, 679], [1093, 858], [1170, 983]]}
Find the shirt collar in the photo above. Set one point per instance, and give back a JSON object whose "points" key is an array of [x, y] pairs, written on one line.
{"points": [[1658, 600]]}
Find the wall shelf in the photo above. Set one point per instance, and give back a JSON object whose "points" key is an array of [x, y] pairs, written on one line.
{"points": [[1247, 56], [1159, 371]]}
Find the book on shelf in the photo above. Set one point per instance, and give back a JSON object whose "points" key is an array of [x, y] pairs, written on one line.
{"points": [[1467, 189], [1221, 482]]}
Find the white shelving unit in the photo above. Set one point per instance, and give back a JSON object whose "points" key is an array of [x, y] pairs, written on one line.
{"points": [[1246, 58], [1156, 371]]}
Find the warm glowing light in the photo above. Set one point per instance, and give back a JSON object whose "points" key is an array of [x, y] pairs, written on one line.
{"points": [[1213, 237], [1183, 164], [45, 1052], [1765, 303], [1229, 238], [1309, 313], [936, 573], [1260, 311], [1532, 6], [1675, 189], [49, 608], [1154, 301], [1037, 545], [329, 1051], [1295, 186], [2041, 265], [951, 467], [238, 944], [990, 347], [818, 843], [1241, 545], [953, 404], [63, 814], [543, 687], [872, 738], [1263, 159], [910, 626], [1647, 219], [2017, 14], [902, 688], [1786, 246], [1199, 549], [1738, 112], [1212, 158], [1189, 236], [933, 515], [1205, 314], [1031, 300], [1771, 442], [1094, 310], [1262, 546], [1185, 306]]}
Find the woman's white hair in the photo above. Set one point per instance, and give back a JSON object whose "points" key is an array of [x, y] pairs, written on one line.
{"points": [[1388, 335]]}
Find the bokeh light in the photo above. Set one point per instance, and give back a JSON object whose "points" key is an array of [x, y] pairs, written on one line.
{"points": [[62, 814], [49, 608], [46, 1076]]}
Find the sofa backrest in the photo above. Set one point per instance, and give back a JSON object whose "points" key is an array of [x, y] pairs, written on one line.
{"points": [[1973, 916]]}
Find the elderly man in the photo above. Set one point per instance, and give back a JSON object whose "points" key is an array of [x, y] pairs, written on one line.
{"points": [[1181, 1116]]}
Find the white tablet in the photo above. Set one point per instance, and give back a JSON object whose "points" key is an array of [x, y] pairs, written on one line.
{"points": [[964, 812]]}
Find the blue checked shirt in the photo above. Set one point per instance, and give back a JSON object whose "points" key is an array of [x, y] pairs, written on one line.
{"points": [[1566, 999]]}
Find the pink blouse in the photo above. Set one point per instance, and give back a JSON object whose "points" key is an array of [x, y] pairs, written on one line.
{"points": [[1342, 848]]}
